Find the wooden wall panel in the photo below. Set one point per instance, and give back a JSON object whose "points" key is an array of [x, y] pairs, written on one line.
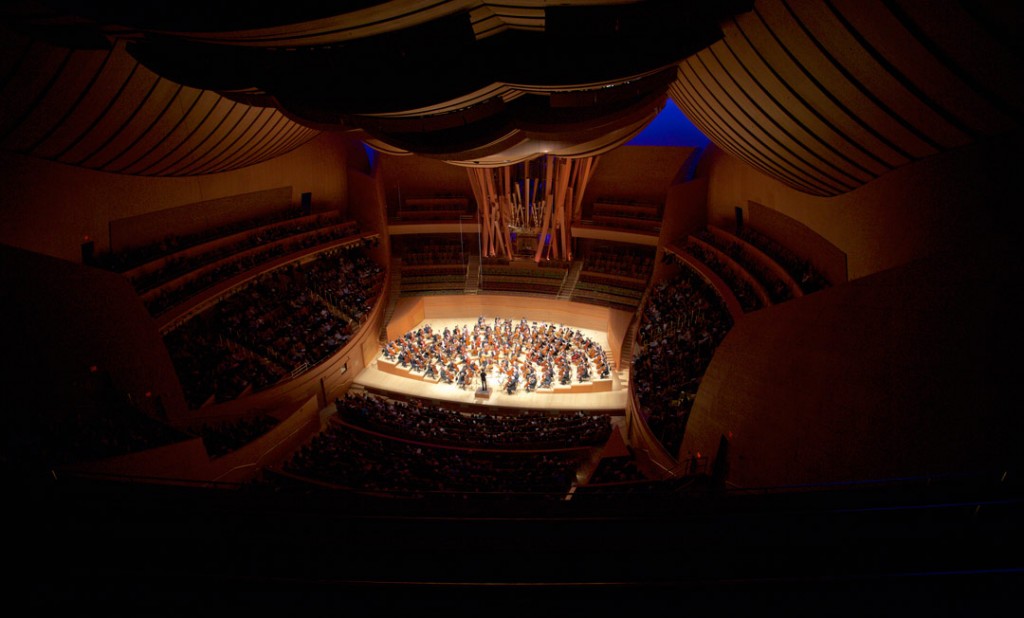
{"points": [[49, 207], [190, 218], [890, 375]]}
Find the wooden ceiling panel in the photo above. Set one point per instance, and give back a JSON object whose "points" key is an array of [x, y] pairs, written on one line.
{"points": [[103, 110], [827, 95]]}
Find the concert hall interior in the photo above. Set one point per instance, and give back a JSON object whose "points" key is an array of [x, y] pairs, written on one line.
{"points": [[527, 305]]}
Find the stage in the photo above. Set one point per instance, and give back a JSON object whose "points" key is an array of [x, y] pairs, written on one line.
{"points": [[607, 394]]}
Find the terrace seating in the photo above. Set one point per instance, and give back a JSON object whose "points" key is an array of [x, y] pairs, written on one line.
{"points": [[614, 276], [609, 290], [184, 277], [800, 269], [433, 265], [278, 326], [632, 215], [683, 322], [616, 470], [442, 426], [130, 259], [777, 283], [439, 208], [743, 285], [170, 267], [436, 279], [348, 457], [523, 277], [103, 422], [223, 438]]}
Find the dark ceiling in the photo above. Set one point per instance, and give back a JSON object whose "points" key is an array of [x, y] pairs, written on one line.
{"points": [[822, 96], [464, 81]]}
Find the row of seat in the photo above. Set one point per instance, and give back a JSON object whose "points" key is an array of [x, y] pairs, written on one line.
{"points": [[777, 285], [279, 325], [162, 271], [135, 257], [345, 456], [181, 290]]}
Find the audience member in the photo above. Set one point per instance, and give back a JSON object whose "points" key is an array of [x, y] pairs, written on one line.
{"points": [[281, 324], [683, 322]]}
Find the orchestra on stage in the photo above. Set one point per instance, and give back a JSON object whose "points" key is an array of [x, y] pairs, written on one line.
{"points": [[516, 355]]}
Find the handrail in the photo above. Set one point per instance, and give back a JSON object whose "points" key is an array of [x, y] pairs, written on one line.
{"points": [[659, 455], [723, 289], [216, 242], [761, 256], [737, 268], [191, 241], [179, 314], [282, 242], [472, 449], [925, 479], [379, 305], [426, 493]]}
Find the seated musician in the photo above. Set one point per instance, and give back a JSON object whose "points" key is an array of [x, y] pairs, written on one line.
{"points": [[513, 381], [564, 377], [549, 376]]}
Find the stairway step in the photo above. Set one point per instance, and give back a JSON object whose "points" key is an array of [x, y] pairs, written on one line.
{"points": [[572, 276], [472, 275]]}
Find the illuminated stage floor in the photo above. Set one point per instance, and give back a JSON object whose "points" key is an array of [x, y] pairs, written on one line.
{"points": [[562, 397]]}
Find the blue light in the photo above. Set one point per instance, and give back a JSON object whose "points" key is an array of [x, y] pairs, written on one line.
{"points": [[670, 128], [371, 155]]}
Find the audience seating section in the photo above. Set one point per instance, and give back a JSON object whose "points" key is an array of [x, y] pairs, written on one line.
{"points": [[800, 269], [158, 272], [773, 278], [750, 295], [129, 259], [433, 266], [435, 425], [277, 326], [104, 422], [622, 469], [614, 276], [623, 214], [523, 277], [438, 208], [349, 457], [225, 437], [682, 324], [203, 276]]}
